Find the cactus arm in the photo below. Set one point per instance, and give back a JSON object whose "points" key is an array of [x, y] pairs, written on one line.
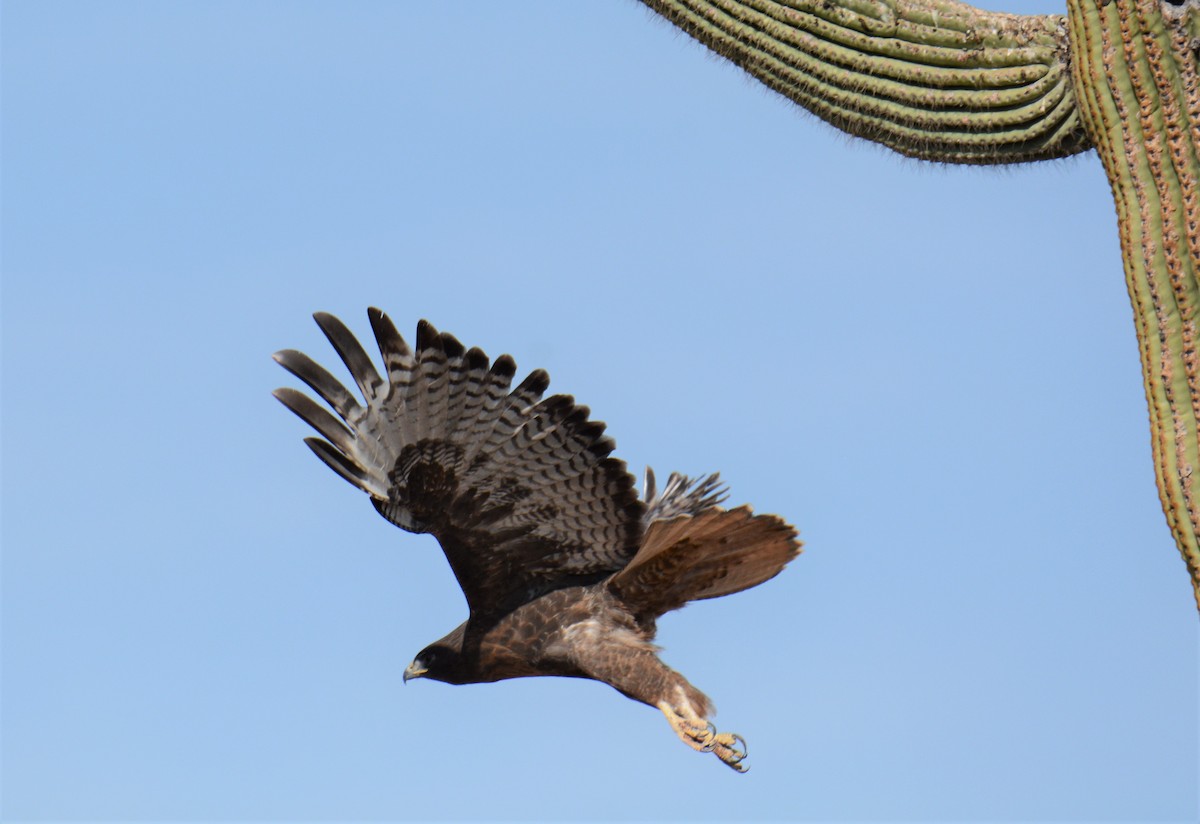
{"points": [[932, 79], [1136, 69]]}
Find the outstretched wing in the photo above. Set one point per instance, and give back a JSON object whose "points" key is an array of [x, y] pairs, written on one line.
{"points": [[693, 549], [520, 491]]}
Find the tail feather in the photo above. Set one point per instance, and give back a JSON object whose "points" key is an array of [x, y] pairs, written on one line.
{"points": [[693, 557]]}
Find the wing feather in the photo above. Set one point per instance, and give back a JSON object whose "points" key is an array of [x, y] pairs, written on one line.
{"points": [[352, 354], [318, 378], [343, 466], [318, 417], [682, 495], [493, 392], [520, 491]]}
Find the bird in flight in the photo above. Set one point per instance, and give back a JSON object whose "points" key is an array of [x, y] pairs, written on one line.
{"points": [[564, 567]]}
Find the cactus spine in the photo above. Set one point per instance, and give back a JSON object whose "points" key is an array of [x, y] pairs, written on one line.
{"points": [[943, 81]]}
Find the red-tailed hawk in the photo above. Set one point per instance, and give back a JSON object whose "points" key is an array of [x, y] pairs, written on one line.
{"points": [[563, 567]]}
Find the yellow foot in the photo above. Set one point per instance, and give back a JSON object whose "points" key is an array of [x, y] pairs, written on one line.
{"points": [[731, 749], [702, 736]]}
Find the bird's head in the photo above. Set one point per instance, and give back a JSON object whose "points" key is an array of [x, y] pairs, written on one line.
{"points": [[436, 661]]}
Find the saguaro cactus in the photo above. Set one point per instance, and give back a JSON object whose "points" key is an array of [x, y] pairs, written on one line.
{"points": [[943, 81]]}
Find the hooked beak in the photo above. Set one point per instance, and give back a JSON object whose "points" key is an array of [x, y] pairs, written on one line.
{"points": [[414, 670]]}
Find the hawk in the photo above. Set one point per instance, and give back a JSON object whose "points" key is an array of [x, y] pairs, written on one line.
{"points": [[564, 567]]}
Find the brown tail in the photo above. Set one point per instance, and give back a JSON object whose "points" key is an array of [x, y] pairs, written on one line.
{"points": [[713, 553]]}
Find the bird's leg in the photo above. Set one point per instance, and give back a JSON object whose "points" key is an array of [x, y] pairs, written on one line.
{"points": [[702, 736]]}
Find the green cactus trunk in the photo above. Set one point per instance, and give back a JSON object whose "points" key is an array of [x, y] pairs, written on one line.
{"points": [[1136, 78], [941, 80]]}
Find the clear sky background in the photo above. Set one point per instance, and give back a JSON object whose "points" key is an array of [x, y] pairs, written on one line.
{"points": [[931, 371]]}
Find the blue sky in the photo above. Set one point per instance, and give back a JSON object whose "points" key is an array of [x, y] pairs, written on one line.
{"points": [[931, 371]]}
